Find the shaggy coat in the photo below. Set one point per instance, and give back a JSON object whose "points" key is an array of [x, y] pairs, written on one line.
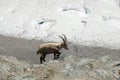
{"points": [[52, 48]]}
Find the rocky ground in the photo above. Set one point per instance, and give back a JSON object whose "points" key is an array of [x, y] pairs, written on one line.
{"points": [[78, 63], [71, 68]]}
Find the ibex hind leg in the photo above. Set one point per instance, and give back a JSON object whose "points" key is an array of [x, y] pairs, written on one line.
{"points": [[42, 58]]}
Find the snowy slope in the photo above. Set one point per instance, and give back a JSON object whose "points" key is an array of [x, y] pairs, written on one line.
{"points": [[88, 22]]}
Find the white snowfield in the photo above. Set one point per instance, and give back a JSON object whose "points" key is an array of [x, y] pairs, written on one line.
{"points": [[86, 22]]}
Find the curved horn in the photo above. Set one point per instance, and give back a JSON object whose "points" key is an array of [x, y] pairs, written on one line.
{"points": [[62, 39], [65, 37]]}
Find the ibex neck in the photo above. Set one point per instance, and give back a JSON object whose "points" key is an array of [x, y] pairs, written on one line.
{"points": [[61, 46]]}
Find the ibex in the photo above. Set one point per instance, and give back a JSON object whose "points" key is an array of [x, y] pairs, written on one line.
{"points": [[52, 48]]}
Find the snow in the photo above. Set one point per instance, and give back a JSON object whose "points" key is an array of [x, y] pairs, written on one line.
{"points": [[87, 22]]}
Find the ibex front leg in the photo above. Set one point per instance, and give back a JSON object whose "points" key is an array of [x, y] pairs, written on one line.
{"points": [[56, 55]]}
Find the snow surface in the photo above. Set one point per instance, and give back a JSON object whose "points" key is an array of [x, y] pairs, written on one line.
{"points": [[87, 22]]}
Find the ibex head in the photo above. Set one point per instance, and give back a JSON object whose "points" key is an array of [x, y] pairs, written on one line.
{"points": [[65, 46]]}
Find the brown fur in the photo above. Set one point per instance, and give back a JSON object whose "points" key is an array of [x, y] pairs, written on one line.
{"points": [[52, 48]]}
